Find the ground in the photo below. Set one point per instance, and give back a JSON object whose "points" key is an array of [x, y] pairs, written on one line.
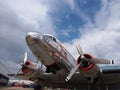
{"points": [[15, 88]]}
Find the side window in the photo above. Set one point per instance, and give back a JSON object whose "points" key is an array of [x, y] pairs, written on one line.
{"points": [[64, 53], [54, 39], [58, 48], [46, 39]]}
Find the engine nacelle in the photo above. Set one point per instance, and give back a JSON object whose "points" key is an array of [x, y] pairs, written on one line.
{"points": [[32, 70], [86, 64], [26, 68]]}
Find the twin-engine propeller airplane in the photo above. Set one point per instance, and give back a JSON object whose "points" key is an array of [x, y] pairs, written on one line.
{"points": [[58, 68]]}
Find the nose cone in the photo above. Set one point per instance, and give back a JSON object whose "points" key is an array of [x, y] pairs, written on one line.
{"points": [[31, 36]]}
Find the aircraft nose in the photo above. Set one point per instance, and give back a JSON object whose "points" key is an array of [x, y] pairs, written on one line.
{"points": [[33, 37], [31, 34]]}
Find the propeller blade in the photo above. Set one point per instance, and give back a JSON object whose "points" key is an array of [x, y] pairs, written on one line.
{"points": [[72, 72], [79, 49], [101, 61], [16, 74], [25, 57]]}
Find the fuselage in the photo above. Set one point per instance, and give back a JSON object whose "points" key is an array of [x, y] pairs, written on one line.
{"points": [[50, 51]]}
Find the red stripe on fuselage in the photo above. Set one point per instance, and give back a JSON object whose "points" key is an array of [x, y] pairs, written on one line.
{"points": [[66, 51], [55, 51]]}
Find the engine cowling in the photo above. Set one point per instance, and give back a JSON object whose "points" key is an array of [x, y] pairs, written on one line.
{"points": [[86, 64], [24, 68], [32, 70]]}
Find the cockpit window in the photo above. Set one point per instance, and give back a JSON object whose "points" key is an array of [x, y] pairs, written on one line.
{"points": [[54, 39], [47, 38]]}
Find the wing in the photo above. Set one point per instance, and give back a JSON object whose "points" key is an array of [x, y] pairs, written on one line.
{"points": [[111, 74]]}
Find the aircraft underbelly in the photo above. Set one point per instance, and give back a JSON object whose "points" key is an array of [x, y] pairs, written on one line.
{"points": [[41, 54]]}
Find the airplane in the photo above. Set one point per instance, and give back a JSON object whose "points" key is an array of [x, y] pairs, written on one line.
{"points": [[57, 68]]}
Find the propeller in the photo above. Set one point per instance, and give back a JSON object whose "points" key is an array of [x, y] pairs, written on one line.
{"points": [[24, 61], [72, 72], [93, 60]]}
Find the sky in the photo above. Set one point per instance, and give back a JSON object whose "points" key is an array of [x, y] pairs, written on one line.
{"points": [[94, 24]]}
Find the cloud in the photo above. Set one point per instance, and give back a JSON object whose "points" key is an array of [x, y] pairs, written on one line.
{"points": [[71, 3], [16, 19], [35, 13], [101, 38], [67, 31]]}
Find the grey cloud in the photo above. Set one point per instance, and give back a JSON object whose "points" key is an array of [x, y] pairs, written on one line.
{"points": [[16, 19], [12, 37]]}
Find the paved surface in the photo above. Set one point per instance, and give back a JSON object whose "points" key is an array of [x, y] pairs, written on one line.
{"points": [[20, 88], [16, 88]]}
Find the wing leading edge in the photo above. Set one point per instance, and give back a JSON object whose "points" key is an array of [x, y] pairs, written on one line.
{"points": [[111, 74]]}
